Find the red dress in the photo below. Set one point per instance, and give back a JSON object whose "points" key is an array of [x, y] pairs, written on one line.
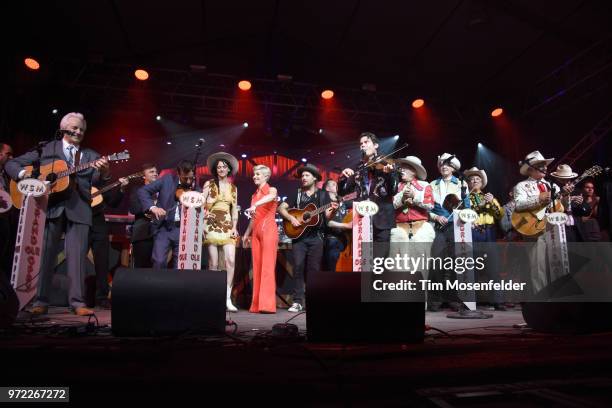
{"points": [[264, 239]]}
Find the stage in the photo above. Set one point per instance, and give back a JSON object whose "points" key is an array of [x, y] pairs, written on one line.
{"points": [[460, 363]]}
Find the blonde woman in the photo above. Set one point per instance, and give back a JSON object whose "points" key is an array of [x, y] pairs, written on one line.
{"points": [[263, 234]]}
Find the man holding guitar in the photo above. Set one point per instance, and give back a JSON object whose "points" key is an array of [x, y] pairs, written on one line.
{"points": [[307, 247], [70, 214]]}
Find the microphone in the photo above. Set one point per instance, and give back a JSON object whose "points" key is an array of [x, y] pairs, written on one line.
{"points": [[60, 132]]}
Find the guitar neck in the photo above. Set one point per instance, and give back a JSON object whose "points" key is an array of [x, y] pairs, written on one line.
{"points": [[326, 206], [78, 168], [106, 188]]}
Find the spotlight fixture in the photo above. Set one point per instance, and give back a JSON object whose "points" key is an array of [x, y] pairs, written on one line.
{"points": [[31, 63], [245, 125], [168, 142], [54, 111], [320, 131], [417, 103], [243, 155], [141, 74], [496, 112], [122, 140], [327, 94], [304, 160], [244, 85], [396, 137], [158, 118]]}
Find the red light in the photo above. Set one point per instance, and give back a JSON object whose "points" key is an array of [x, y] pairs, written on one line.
{"points": [[417, 103], [244, 85], [327, 94], [496, 112], [141, 74], [31, 63]]}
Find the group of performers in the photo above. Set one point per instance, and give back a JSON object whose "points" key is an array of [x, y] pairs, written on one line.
{"points": [[410, 210]]}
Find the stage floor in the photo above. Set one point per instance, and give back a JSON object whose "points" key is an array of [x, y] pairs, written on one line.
{"points": [[467, 363]]}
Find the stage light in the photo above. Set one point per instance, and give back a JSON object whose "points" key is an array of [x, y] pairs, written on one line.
{"points": [[417, 103], [31, 63], [54, 111], [304, 160], [320, 131], [496, 112], [244, 85], [141, 74], [396, 137], [332, 153], [327, 94], [168, 142], [243, 155], [122, 140], [245, 125], [479, 145], [221, 145], [158, 118]]}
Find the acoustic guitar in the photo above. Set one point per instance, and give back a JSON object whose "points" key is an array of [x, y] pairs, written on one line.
{"points": [[345, 260], [96, 195], [57, 173], [308, 216], [532, 222]]}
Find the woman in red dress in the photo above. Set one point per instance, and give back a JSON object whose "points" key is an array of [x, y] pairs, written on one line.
{"points": [[263, 233]]}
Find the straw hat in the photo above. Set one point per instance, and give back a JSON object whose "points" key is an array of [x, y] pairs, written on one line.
{"points": [[475, 171], [215, 157], [532, 159], [415, 163], [454, 162]]}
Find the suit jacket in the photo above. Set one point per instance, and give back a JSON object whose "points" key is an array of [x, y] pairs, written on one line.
{"points": [[141, 230], [384, 219], [165, 188], [77, 203]]}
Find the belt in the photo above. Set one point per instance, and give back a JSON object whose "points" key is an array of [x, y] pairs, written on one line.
{"points": [[411, 227]]}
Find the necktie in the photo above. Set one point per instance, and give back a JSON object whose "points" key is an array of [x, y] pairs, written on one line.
{"points": [[542, 187], [71, 155]]}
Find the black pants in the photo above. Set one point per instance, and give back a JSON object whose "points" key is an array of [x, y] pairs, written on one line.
{"points": [[333, 249], [100, 247], [141, 253], [307, 255], [443, 246]]}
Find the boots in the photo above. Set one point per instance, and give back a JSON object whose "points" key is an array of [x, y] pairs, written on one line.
{"points": [[228, 302]]}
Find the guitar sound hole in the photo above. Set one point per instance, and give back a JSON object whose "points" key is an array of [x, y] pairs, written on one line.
{"points": [[306, 217], [51, 177]]}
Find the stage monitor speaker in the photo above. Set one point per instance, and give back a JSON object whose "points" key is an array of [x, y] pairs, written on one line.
{"points": [[9, 303], [335, 313], [566, 310], [568, 317], [148, 302]]}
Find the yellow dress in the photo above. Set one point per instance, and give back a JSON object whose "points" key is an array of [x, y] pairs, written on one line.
{"points": [[218, 224]]}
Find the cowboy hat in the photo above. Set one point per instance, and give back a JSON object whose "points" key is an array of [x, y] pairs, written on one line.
{"points": [[415, 163], [309, 168], [475, 171], [451, 160], [564, 171], [215, 157], [533, 159]]}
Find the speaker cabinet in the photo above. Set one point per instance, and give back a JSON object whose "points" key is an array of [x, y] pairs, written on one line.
{"points": [[149, 302]]}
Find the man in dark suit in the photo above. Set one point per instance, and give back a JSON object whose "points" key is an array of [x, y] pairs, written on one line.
{"points": [[166, 212], [378, 185], [70, 213], [142, 235], [7, 215]]}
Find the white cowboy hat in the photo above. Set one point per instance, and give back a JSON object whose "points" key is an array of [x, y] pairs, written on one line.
{"points": [[475, 171], [415, 163], [454, 162], [215, 157], [564, 171], [533, 159]]}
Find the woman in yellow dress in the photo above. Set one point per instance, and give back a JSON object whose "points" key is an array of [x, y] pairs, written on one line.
{"points": [[222, 216]]}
